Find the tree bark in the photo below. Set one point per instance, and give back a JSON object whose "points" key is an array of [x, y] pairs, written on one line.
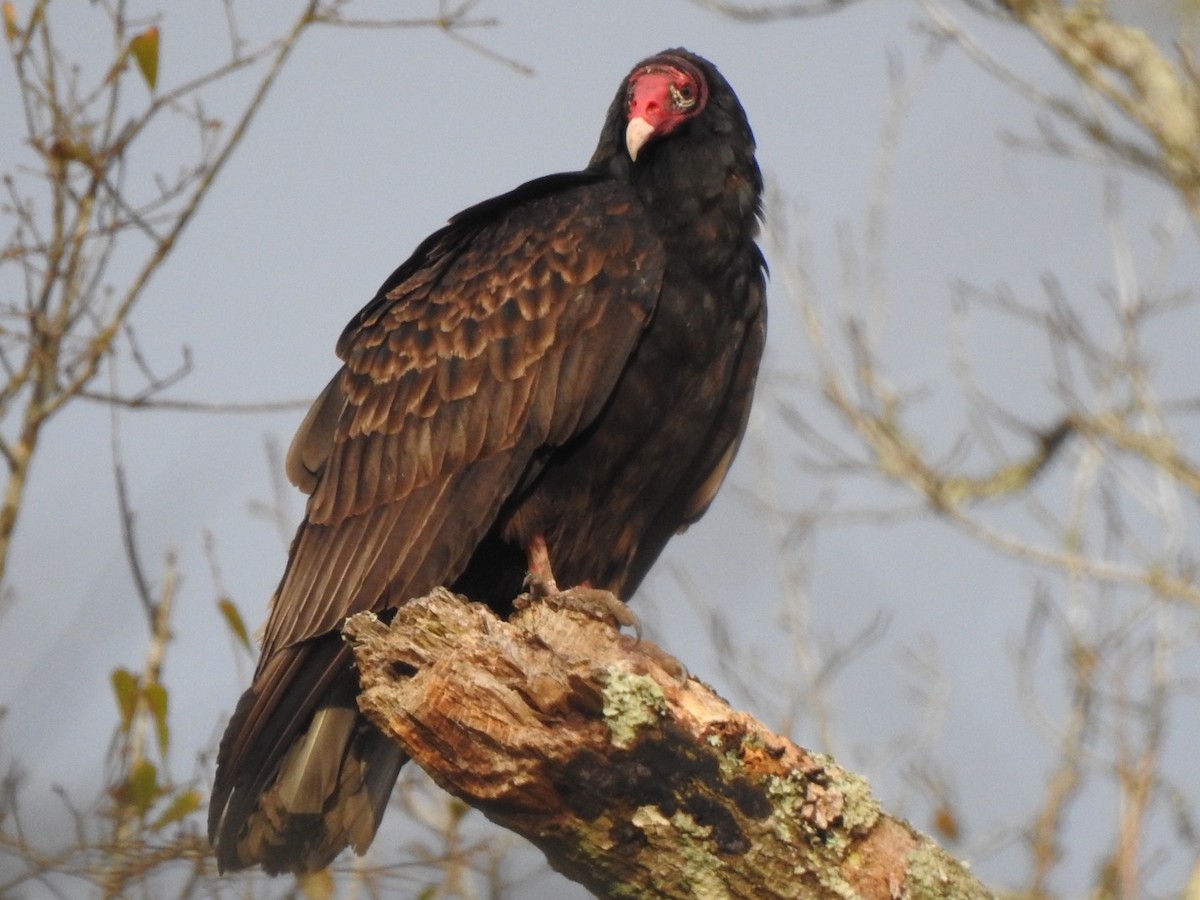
{"points": [[634, 779]]}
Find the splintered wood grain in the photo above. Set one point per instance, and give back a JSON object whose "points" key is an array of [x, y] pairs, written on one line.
{"points": [[634, 780]]}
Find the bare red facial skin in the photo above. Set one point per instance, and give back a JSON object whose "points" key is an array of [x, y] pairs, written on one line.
{"points": [[664, 96], [650, 96], [661, 97]]}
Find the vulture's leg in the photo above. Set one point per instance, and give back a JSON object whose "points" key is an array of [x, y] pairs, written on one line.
{"points": [[540, 579], [583, 598]]}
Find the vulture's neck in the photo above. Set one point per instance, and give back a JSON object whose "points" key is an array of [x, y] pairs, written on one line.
{"points": [[705, 196]]}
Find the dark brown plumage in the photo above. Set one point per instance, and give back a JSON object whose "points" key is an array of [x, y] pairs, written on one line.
{"points": [[572, 361]]}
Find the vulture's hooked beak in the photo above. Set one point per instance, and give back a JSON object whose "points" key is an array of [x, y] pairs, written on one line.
{"points": [[637, 132]]}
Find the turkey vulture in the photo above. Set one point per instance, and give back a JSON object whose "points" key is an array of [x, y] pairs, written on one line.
{"points": [[558, 377]]}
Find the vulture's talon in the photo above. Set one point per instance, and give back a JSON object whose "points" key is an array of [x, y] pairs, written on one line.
{"points": [[540, 586], [603, 606]]}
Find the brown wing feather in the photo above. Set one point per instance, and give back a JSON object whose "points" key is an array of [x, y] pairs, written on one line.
{"points": [[510, 342]]}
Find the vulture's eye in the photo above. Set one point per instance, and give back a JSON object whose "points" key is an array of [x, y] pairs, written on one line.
{"points": [[683, 96]]}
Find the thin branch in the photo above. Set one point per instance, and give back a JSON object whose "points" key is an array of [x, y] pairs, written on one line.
{"points": [[140, 401], [773, 12]]}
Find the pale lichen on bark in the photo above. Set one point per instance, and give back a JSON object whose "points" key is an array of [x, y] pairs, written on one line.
{"points": [[631, 702]]}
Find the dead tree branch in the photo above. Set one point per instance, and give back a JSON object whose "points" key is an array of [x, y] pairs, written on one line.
{"points": [[631, 779]]}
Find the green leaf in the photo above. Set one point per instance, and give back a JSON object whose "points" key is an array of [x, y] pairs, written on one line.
{"points": [[156, 699], [179, 809], [125, 688], [316, 885], [234, 620], [12, 30], [143, 786], [144, 50]]}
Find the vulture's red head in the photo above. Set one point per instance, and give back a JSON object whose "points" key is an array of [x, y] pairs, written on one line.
{"points": [[662, 94], [676, 125], [677, 132]]}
